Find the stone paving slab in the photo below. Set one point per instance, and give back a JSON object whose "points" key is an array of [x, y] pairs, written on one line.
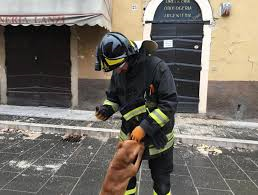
{"points": [[49, 166]]}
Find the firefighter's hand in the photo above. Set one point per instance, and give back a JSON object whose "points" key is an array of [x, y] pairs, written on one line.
{"points": [[138, 134], [104, 112]]}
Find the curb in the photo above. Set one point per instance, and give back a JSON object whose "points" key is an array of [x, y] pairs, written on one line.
{"points": [[107, 133], [242, 124], [217, 141], [60, 129]]}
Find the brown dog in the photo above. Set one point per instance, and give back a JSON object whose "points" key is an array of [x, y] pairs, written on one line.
{"points": [[122, 167]]}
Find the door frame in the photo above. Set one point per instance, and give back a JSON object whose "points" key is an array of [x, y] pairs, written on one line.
{"points": [[3, 78], [74, 67], [205, 58]]}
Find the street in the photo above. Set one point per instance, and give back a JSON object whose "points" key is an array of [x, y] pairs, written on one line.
{"points": [[35, 163]]}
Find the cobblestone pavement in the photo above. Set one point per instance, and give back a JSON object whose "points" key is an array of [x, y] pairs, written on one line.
{"points": [[32, 163]]}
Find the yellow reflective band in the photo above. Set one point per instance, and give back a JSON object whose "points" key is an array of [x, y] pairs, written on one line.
{"points": [[123, 136], [112, 62], [153, 150], [134, 112], [169, 137], [132, 191], [131, 43], [154, 193], [159, 117], [101, 64], [114, 105]]}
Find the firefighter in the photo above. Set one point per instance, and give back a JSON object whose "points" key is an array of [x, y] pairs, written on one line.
{"points": [[142, 88]]}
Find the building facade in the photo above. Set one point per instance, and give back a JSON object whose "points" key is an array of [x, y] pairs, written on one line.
{"points": [[228, 79], [210, 47]]}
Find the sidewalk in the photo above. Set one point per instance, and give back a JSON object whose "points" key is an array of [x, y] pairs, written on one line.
{"points": [[190, 129], [32, 162]]}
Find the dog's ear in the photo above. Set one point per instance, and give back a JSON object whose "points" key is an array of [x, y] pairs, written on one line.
{"points": [[119, 145]]}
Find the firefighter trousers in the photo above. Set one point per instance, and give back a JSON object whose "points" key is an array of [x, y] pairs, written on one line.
{"points": [[161, 168]]}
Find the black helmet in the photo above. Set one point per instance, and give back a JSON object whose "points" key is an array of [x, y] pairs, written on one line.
{"points": [[113, 50]]}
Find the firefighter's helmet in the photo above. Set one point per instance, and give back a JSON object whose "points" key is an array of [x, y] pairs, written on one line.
{"points": [[113, 51]]}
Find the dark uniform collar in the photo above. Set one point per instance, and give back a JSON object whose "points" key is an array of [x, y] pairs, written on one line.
{"points": [[135, 65]]}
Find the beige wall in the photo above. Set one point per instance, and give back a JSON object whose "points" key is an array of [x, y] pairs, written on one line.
{"points": [[88, 38], [126, 20], [234, 43]]}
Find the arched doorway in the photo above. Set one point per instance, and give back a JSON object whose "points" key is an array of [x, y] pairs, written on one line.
{"points": [[182, 30]]}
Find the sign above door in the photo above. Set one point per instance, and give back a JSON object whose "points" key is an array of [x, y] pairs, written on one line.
{"points": [[61, 12]]}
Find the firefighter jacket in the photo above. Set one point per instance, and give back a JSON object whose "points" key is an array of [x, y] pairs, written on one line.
{"points": [[151, 108]]}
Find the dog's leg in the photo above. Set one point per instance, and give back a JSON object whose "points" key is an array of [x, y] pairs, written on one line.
{"points": [[135, 167], [138, 149]]}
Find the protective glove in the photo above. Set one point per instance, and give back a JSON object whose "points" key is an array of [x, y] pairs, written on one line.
{"points": [[104, 112], [159, 140], [137, 134]]}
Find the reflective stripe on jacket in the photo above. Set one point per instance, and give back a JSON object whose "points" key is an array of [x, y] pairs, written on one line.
{"points": [[114, 105]]}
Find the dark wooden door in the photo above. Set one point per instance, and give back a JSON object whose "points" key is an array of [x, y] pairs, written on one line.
{"points": [[178, 29], [38, 66]]}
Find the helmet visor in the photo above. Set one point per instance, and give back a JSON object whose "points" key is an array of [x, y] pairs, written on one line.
{"points": [[111, 64]]}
